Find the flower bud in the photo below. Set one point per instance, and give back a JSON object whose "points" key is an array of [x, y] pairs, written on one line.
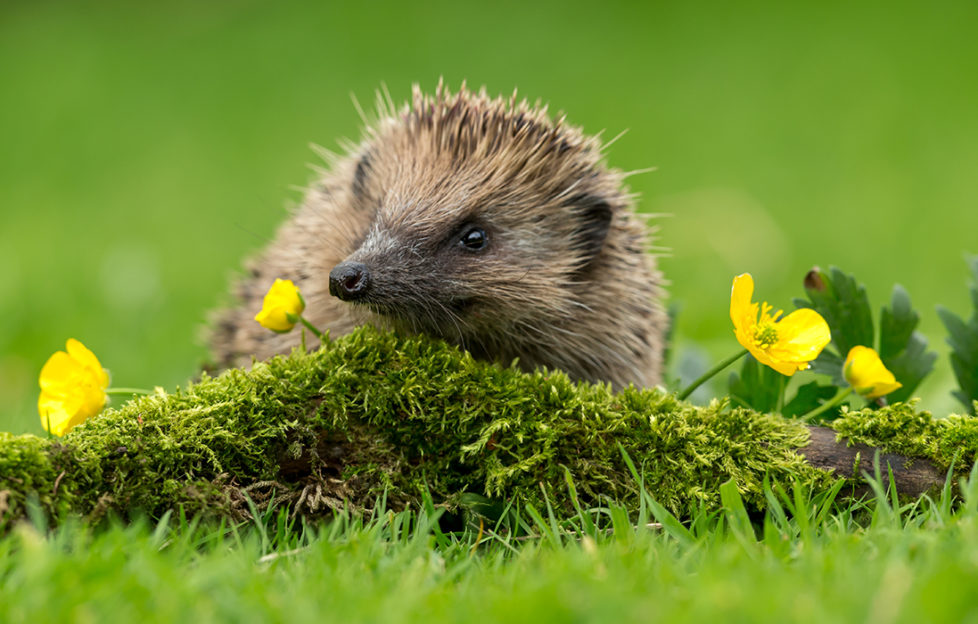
{"points": [[281, 307], [866, 373]]}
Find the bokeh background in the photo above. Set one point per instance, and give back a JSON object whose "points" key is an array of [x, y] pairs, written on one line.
{"points": [[147, 147]]}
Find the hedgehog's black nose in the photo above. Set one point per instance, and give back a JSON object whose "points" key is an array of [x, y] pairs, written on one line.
{"points": [[349, 280]]}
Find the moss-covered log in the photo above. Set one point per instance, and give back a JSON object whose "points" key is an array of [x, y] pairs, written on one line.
{"points": [[375, 414], [848, 459]]}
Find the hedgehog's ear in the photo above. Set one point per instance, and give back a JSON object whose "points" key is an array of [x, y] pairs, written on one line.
{"points": [[360, 177], [593, 220]]}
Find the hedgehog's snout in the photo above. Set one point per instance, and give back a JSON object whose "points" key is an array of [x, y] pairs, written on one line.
{"points": [[349, 280]]}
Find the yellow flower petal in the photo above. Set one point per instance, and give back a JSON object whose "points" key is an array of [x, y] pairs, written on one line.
{"points": [[73, 387], [282, 301], [87, 359], [802, 335], [741, 308], [59, 414], [785, 368], [864, 370], [786, 345], [59, 368]]}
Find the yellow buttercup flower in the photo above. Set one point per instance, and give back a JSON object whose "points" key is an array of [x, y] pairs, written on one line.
{"points": [[785, 344], [866, 373], [281, 307], [73, 388]]}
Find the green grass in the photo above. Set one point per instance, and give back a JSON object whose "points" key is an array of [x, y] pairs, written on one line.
{"points": [[849, 562]]}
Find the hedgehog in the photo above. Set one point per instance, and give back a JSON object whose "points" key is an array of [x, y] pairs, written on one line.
{"points": [[478, 220]]}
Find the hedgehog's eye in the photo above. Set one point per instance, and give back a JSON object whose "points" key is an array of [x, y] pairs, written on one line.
{"points": [[474, 239]]}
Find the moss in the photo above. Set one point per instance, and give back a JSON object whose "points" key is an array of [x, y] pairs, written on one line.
{"points": [[901, 428], [28, 468], [376, 414]]}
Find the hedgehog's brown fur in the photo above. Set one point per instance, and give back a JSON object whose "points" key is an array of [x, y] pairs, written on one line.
{"points": [[565, 280]]}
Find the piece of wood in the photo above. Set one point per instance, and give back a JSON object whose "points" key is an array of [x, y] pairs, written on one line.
{"points": [[912, 476]]}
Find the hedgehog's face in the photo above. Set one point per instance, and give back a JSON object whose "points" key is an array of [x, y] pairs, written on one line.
{"points": [[459, 247]]}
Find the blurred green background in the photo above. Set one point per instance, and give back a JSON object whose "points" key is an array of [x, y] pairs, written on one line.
{"points": [[146, 148]]}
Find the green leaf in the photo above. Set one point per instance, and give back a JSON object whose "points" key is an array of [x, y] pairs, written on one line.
{"points": [[843, 303], [897, 323], [902, 349], [961, 336], [757, 386], [910, 367], [810, 396], [965, 372], [963, 340], [828, 363]]}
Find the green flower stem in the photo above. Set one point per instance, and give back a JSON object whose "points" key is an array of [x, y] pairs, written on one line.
{"points": [[127, 391], [838, 398], [710, 373], [311, 328]]}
